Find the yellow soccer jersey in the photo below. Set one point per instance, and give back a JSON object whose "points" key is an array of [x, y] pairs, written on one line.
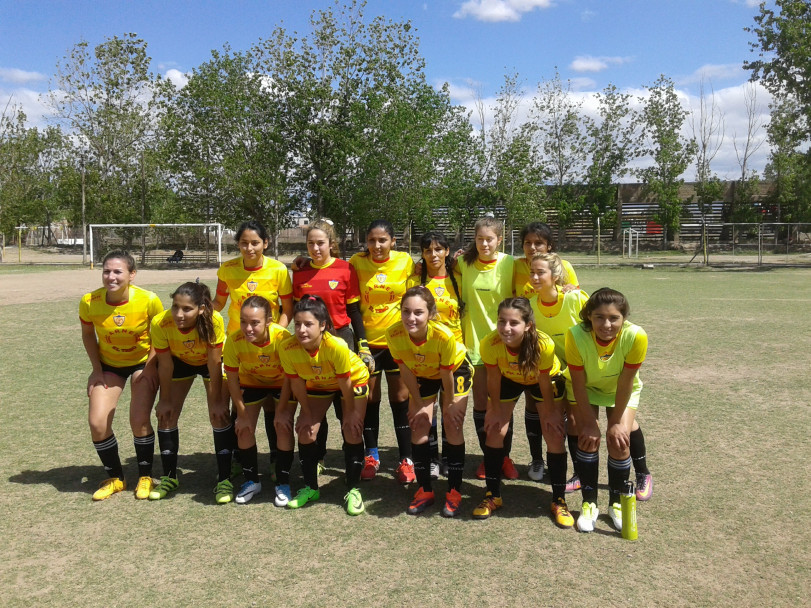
{"points": [[447, 302], [320, 370], [382, 285], [496, 354], [523, 285], [271, 281], [439, 350], [556, 318], [122, 329], [258, 365], [185, 345]]}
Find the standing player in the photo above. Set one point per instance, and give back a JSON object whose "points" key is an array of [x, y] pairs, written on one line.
{"points": [[537, 238], [188, 341], [318, 365], [604, 353], [383, 275], [487, 279], [115, 333], [256, 380], [430, 358]]}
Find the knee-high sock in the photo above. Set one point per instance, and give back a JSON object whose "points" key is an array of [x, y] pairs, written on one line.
{"points": [[588, 468], [354, 463], [639, 453], [168, 443], [532, 422], [308, 454], [223, 447], [371, 428], [422, 464], [145, 452], [271, 431], [618, 473], [493, 459], [399, 413], [456, 465], [107, 449], [478, 423], [557, 474]]}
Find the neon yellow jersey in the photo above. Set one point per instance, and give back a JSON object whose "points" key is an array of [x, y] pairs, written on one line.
{"points": [[185, 345], [258, 365], [271, 281], [447, 302], [382, 285], [603, 363], [439, 350], [484, 286], [122, 329], [496, 354], [321, 370], [523, 286], [556, 318]]}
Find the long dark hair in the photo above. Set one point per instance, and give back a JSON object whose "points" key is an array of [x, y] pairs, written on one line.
{"points": [[471, 253], [420, 291], [200, 296], [541, 230], [316, 307], [385, 225], [254, 225], [425, 243], [601, 297], [529, 352]]}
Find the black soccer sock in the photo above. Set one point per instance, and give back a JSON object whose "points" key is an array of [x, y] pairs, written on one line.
{"points": [[284, 460], [532, 422], [493, 459], [557, 474], [422, 464], [235, 443], [433, 438], [321, 438], [308, 454], [107, 449], [354, 463], [445, 443], [250, 464], [168, 443], [638, 452], [618, 473], [270, 429], [571, 440], [508, 438], [402, 431], [371, 425], [588, 465], [456, 465], [223, 448], [478, 424], [145, 452]]}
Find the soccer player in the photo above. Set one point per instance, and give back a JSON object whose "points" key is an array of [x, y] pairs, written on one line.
{"points": [[319, 365], [255, 380], [487, 279], [604, 353], [517, 357], [430, 358], [115, 333], [383, 275], [188, 340]]}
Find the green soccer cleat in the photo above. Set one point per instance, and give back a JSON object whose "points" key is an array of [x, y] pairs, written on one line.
{"points": [[166, 486], [353, 502], [224, 492], [302, 497]]}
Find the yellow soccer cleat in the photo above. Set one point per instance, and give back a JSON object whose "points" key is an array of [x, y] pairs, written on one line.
{"points": [[560, 512], [108, 487], [487, 506], [144, 487]]}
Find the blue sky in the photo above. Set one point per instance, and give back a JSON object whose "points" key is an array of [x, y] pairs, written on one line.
{"points": [[469, 44]]}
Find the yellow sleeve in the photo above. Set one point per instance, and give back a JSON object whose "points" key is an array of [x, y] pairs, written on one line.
{"points": [[573, 358], [219, 328], [639, 349], [155, 306], [285, 284], [569, 275], [84, 309], [546, 362], [159, 338], [487, 351], [229, 355]]}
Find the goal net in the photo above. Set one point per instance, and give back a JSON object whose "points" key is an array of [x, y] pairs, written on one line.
{"points": [[158, 245]]}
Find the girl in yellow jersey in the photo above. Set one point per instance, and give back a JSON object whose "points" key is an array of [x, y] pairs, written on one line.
{"points": [[255, 274], [517, 357], [383, 275], [188, 340], [256, 379], [537, 238], [487, 278], [430, 358], [604, 352], [115, 334], [319, 365]]}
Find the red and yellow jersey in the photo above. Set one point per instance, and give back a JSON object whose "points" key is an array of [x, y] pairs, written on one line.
{"points": [[321, 369], [258, 365], [336, 284], [439, 350], [185, 345], [382, 285], [271, 281], [447, 302], [496, 354], [523, 285], [122, 329], [555, 318]]}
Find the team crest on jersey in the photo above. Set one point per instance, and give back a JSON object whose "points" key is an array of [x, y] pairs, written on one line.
{"points": [[316, 369], [439, 291], [381, 278], [189, 344], [605, 357], [251, 285], [419, 357], [264, 359], [333, 284], [514, 365], [119, 320]]}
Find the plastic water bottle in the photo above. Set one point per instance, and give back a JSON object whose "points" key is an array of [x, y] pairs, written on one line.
{"points": [[628, 503]]}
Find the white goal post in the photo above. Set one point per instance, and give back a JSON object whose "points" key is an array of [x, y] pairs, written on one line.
{"points": [[215, 229]]}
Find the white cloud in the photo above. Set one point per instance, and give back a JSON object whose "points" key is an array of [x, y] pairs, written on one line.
{"points": [[749, 3], [587, 63], [495, 11], [712, 72], [588, 15], [582, 84], [177, 78], [29, 102], [17, 76]]}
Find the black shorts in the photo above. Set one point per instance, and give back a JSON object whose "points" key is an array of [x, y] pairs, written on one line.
{"points": [[462, 381], [184, 371], [511, 390], [122, 372], [384, 362]]}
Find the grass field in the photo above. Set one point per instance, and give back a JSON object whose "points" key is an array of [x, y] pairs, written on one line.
{"points": [[726, 416]]}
